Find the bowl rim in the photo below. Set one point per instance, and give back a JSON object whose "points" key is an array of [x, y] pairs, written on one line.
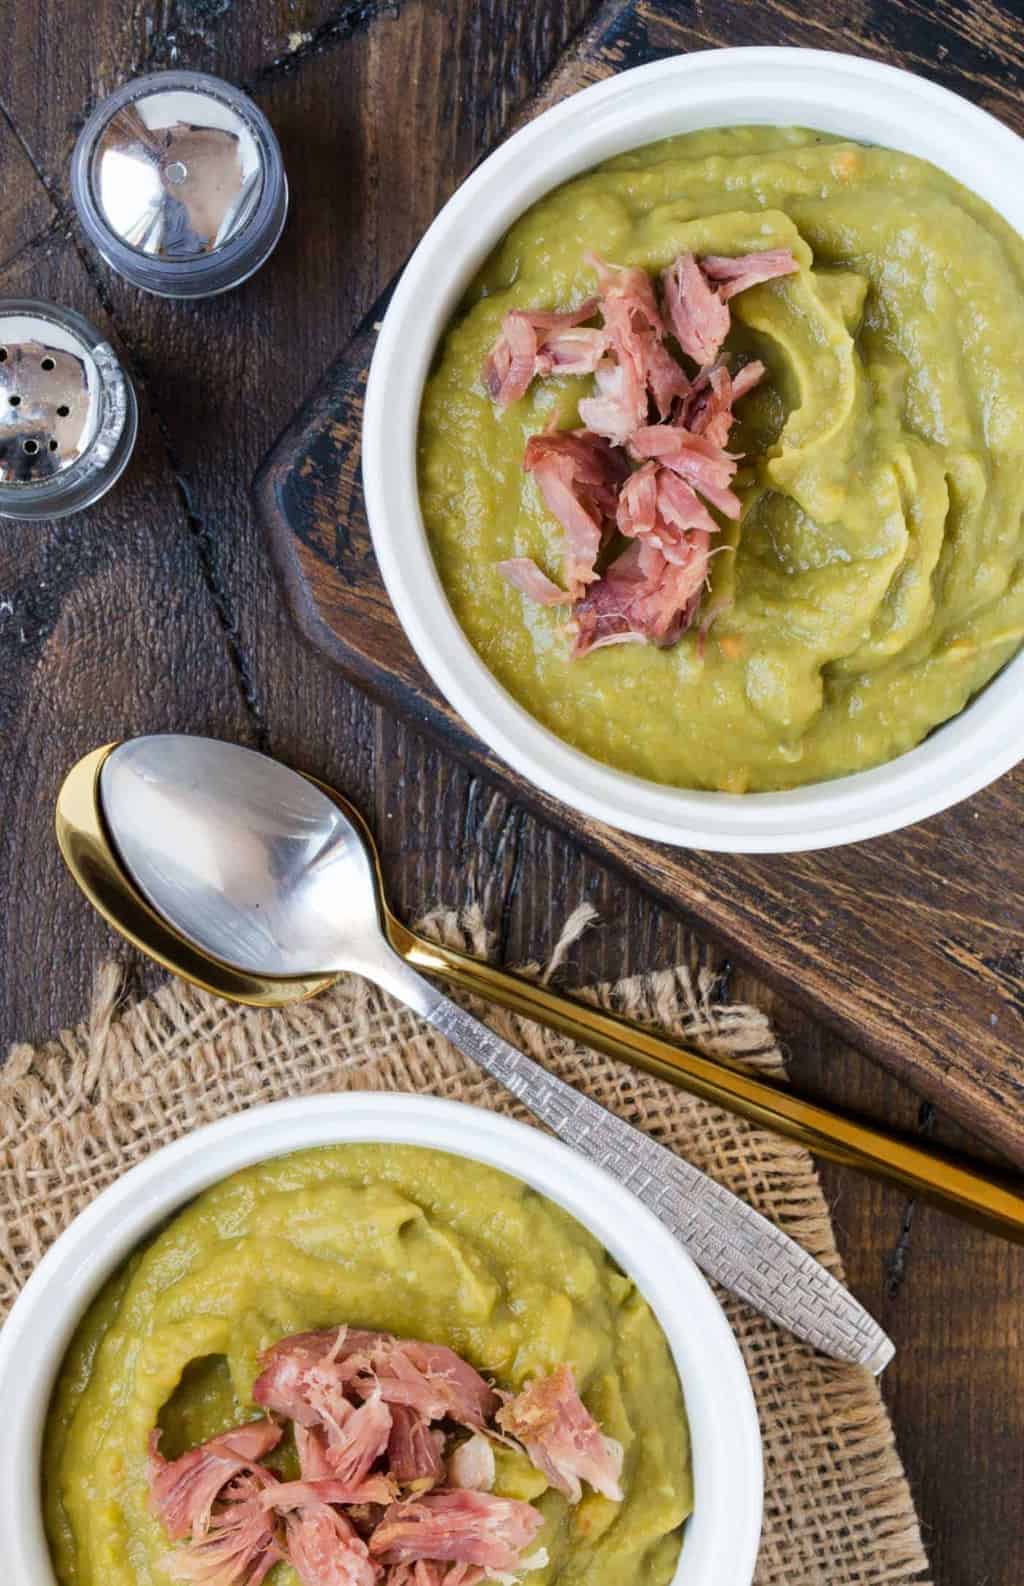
{"points": [[721, 1538], [820, 88]]}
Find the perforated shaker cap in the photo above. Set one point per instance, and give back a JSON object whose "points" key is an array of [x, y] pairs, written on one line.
{"points": [[179, 182], [68, 414]]}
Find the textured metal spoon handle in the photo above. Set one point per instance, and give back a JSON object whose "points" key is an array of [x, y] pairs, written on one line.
{"points": [[727, 1239]]}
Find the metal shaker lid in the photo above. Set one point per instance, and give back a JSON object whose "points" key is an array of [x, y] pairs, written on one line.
{"points": [[49, 398], [67, 411], [177, 173], [178, 180]]}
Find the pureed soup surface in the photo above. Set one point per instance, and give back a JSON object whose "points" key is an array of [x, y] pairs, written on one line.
{"points": [[410, 1241], [874, 581]]}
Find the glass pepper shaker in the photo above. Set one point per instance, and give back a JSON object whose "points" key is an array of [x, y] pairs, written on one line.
{"points": [[68, 414], [179, 182]]}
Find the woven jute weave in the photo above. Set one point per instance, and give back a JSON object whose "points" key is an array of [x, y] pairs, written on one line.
{"points": [[76, 1113]]}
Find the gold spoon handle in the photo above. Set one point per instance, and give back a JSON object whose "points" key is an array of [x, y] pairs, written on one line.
{"points": [[994, 1204]]}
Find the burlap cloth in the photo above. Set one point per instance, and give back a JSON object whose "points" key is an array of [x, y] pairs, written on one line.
{"points": [[74, 1114]]}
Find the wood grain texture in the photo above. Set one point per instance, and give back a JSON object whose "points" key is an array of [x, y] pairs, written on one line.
{"points": [[26, 213], [912, 945], [158, 608]]}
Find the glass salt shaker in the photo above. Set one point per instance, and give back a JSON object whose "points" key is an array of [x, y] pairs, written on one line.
{"points": [[178, 180], [68, 414]]}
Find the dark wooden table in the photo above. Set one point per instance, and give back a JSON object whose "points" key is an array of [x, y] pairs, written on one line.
{"points": [[158, 610]]}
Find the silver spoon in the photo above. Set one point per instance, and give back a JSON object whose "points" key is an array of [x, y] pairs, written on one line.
{"points": [[255, 865]]}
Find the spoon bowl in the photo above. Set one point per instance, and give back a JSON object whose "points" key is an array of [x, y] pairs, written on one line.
{"points": [[247, 859], [91, 857]]}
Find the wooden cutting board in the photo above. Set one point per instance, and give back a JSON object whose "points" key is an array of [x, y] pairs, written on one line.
{"points": [[911, 946]]}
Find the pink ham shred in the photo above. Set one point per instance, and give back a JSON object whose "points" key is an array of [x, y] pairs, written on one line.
{"points": [[314, 1377], [709, 412], [356, 1437], [578, 476], [429, 1572], [287, 1495], [750, 269], [540, 344], [458, 1527], [183, 1491], [319, 1479], [699, 317], [285, 1383], [653, 589], [463, 1575], [523, 574], [651, 593], [747, 378], [414, 1449], [311, 1449], [434, 1381], [324, 1549], [361, 1405], [643, 597], [620, 402], [318, 1475], [697, 294], [562, 1438], [639, 365], [299, 1372], [661, 507], [237, 1547], [707, 467]]}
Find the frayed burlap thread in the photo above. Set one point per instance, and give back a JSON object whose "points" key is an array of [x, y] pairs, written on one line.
{"points": [[78, 1112]]}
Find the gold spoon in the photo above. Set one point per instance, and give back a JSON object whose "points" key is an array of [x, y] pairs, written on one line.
{"points": [[994, 1203]]}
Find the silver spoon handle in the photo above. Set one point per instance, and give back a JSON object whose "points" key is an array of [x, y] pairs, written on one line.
{"points": [[727, 1239]]}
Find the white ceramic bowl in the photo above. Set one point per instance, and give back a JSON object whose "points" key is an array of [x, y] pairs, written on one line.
{"points": [[720, 1539], [833, 93]]}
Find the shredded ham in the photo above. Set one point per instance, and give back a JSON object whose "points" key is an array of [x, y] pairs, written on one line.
{"points": [[710, 409], [237, 1546], [747, 378], [603, 617], [562, 1438], [182, 1492], [315, 1377], [659, 506], [541, 344], [429, 1572], [697, 295], [696, 311], [651, 591], [707, 467], [523, 574], [356, 1437], [640, 365], [362, 1406], [578, 475], [624, 606], [287, 1495], [435, 1381], [459, 1527], [750, 269], [415, 1450], [311, 1449], [291, 1366], [324, 1549]]}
